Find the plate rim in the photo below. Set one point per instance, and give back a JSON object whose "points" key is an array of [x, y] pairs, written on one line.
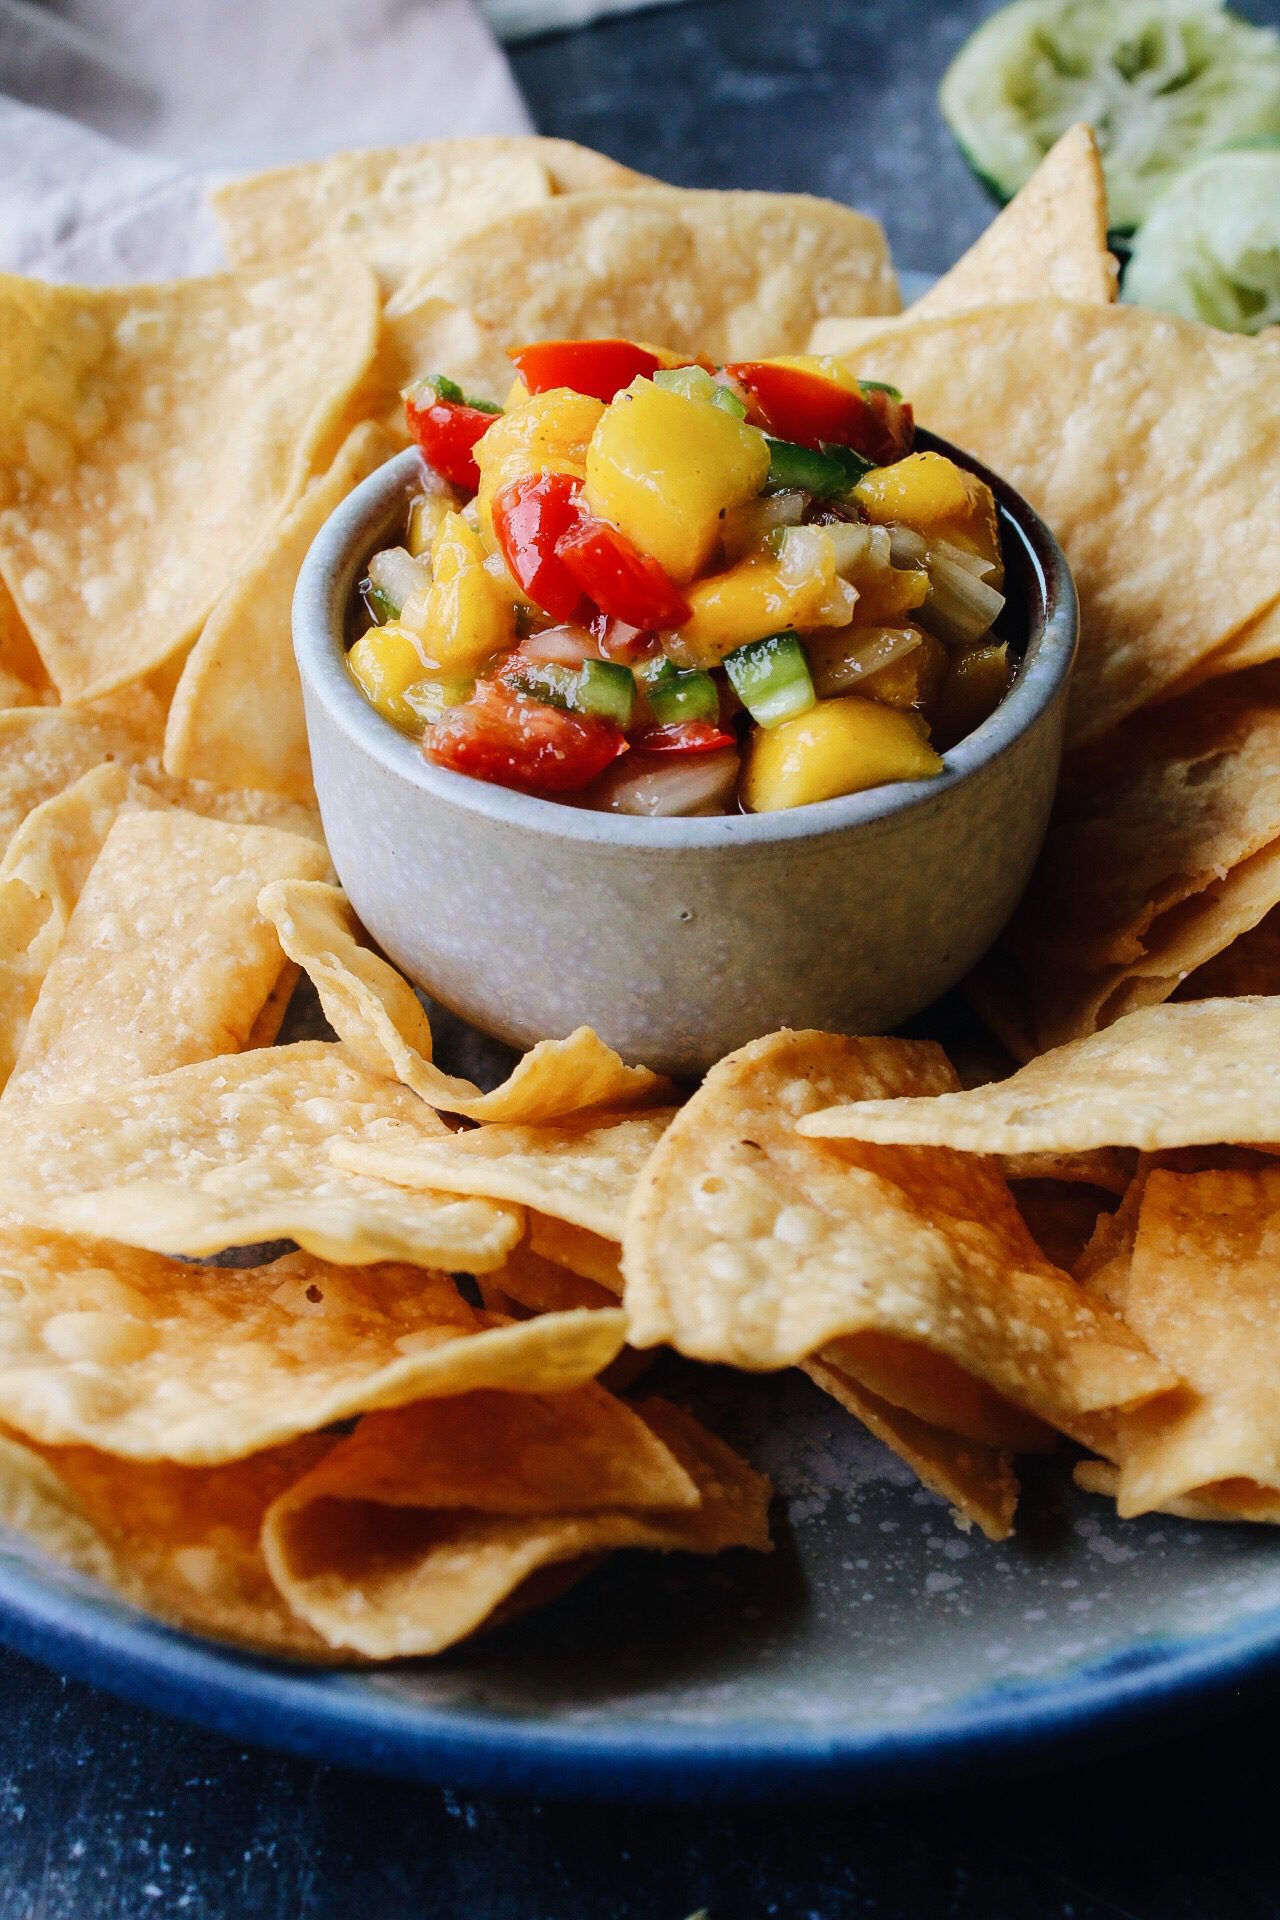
{"points": [[315, 1714]]}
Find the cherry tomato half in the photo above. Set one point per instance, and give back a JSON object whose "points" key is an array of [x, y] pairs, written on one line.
{"points": [[522, 743], [598, 367], [530, 518], [447, 430], [621, 580]]}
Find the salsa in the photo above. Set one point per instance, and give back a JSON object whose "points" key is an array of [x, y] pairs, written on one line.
{"points": [[653, 585]]}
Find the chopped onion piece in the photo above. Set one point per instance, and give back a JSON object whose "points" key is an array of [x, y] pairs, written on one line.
{"points": [[843, 662], [559, 646], [398, 576], [907, 548], [975, 563], [664, 786], [746, 528], [859, 547], [804, 552], [960, 607]]}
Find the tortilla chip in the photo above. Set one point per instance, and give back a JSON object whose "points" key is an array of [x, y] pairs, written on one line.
{"points": [[747, 1244], [590, 1255], [1151, 470], [1108, 1168], [237, 717], [1251, 964], [426, 337], [180, 1541], [400, 208], [235, 1151], [166, 959], [1049, 242], [1171, 1076], [1256, 644], [979, 1482], [533, 1284], [377, 1015], [1204, 1293], [930, 1387], [1240, 1501], [157, 1359], [42, 873], [729, 274], [149, 436], [376, 1551], [582, 1171], [44, 749], [23, 680]]}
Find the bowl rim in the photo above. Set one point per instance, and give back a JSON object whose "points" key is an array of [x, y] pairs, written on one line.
{"points": [[342, 546]]}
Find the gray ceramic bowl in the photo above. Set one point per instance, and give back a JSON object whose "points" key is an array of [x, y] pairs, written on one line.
{"points": [[678, 940]]}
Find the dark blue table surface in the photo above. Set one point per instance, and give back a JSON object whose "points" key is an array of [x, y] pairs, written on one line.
{"points": [[109, 1811]]}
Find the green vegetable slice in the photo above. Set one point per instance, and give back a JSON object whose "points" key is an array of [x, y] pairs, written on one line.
{"points": [[1210, 248], [677, 697], [1162, 83], [827, 474], [695, 383], [600, 687], [772, 679]]}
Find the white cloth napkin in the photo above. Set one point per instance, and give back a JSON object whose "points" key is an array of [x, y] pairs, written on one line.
{"points": [[115, 115]]}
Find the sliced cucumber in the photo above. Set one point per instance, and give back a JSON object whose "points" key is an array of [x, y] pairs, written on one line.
{"points": [[1210, 247], [772, 679], [1162, 83]]}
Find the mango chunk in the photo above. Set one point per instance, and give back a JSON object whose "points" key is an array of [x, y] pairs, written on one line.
{"points": [[665, 469], [545, 433], [384, 663], [763, 595], [840, 746], [464, 616]]}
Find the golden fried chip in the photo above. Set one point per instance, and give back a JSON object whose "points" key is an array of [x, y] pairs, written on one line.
{"points": [[236, 717], [582, 1171], [979, 1481], [537, 1285], [1251, 964], [378, 1553], [730, 274], [1062, 1217], [44, 749], [1108, 1168], [235, 1151], [1149, 444], [589, 1254], [1203, 1291], [42, 872], [1050, 242], [401, 207], [156, 1359], [375, 1012], [1170, 1076], [166, 959], [929, 1386], [23, 680], [183, 1542], [1255, 644], [1241, 1500], [749, 1245], [149, 436]]}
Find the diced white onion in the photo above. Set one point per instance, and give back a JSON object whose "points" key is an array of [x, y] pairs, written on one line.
{"points": [[668, 785], [907, 548], [960, 607], [396, 573], [974, 563], [838, 667], [559, 646], [747, 527], [858, 547]]}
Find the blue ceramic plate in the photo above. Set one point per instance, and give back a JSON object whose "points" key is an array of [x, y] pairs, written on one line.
{"points": [[877, 1643]]}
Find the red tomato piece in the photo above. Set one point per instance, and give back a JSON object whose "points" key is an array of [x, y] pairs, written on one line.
{"points": [[689, 736], [805, 407], [601, 368], [530, 518], [499, 736], [623, 581], [447, 430]]}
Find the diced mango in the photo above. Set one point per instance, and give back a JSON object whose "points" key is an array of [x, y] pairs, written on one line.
{"points": [[914, 680], [976, 683], [761, 596], [887, 594], [425, 515], [464, 616], [665, 469], [385, 662], [934, 495], [840, 746], [547, 433]]}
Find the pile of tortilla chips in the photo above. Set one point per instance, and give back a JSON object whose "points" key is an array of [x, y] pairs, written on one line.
{"points": [[332, 1453]]}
